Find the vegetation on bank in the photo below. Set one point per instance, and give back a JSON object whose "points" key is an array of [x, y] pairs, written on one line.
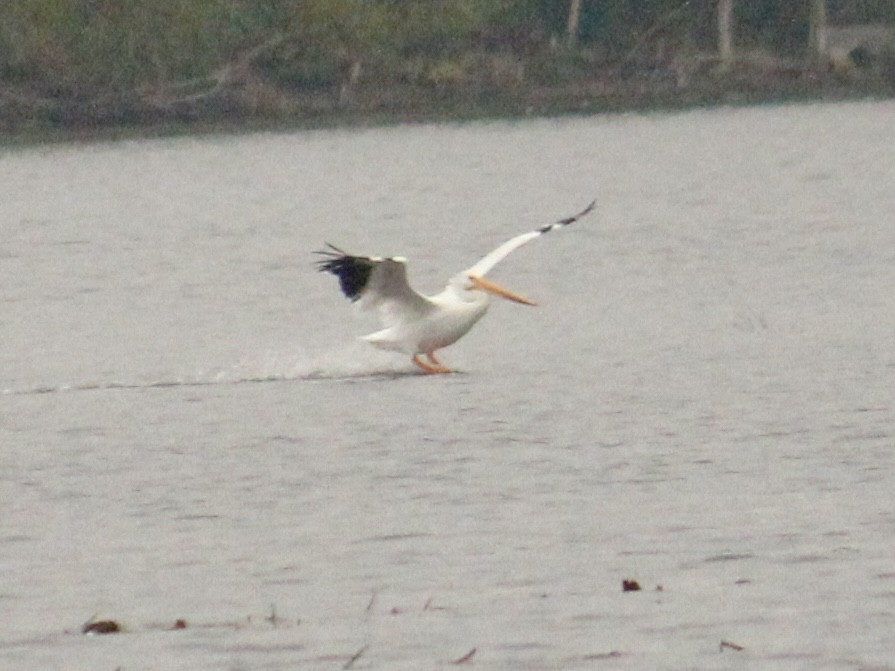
{"points": [[95, 63]]}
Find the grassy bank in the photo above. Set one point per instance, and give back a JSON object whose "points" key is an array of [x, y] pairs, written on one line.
{"points": [[476, 86], [104, 67]]}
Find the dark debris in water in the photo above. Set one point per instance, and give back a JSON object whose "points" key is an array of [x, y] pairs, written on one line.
{"points": [[612, 654], [356, 656], [729, 645], [465, 658], [101, 627], [630, 585], [94, 626], [729, 556]]}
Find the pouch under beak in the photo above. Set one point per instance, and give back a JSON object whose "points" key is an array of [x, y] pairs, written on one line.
{"points": [[494, 288]]}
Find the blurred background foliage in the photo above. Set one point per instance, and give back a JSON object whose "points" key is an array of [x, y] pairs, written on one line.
{"points": [[79, 48]]}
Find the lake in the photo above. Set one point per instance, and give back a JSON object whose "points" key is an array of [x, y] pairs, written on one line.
{"points": [[701, 403]]}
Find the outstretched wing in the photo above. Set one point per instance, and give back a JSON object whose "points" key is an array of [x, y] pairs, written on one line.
{"points": [[375, 283], [493, 258]]}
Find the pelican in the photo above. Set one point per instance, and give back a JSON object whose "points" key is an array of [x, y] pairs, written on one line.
{"points": [[421, 325]]}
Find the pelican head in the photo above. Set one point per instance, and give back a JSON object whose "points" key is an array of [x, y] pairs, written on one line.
{"points": [[476, 282]]}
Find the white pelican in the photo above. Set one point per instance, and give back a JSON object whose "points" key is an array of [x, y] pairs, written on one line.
{"points": [[420, 325]]}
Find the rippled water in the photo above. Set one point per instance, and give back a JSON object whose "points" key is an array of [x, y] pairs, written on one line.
{"points": [[703, 402]]}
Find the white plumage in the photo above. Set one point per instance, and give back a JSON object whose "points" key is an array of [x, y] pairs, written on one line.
{"points": [[420, 325]]}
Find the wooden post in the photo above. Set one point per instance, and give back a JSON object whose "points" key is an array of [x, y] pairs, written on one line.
{"points": [[574, 19], [725, 33], [817, 30]]}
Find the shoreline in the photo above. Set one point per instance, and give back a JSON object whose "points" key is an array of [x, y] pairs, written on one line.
{"points": [[250, 103]]}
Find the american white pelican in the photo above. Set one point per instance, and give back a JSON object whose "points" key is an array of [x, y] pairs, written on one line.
{"points": [[420, 325]]}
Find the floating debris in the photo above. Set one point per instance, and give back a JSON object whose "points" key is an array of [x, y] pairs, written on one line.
{"points": [[101, 627], [356, 656], [465, 658], [630, 585], [612, 654], [372, 602], [430, 605], [730, 646]]}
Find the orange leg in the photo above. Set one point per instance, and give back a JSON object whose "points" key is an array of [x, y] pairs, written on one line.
{"points": [[441, 367], [434, 367]]}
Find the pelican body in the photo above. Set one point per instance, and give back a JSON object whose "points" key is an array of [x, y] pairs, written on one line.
{"points": [[421, 325]]}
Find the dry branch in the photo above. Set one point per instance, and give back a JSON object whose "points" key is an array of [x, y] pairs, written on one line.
{"points": [[465, 658], [731, 646], [356, 656]]}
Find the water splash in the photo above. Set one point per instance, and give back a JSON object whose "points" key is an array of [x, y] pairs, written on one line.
{"points": [[351, 362]]}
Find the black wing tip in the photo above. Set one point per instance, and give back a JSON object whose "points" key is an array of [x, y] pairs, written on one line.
{"points": [[353, 271], [331, 251], [335, 257], [568, 220], [576, 217]]}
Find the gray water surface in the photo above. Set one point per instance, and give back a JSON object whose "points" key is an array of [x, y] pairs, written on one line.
{"points": [[702, 402]]}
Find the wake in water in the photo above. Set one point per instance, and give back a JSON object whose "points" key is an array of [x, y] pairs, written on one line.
{"points": [[353, 362]]}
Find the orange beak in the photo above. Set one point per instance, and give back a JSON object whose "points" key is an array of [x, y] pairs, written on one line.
{"points": [[494, 288]]}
